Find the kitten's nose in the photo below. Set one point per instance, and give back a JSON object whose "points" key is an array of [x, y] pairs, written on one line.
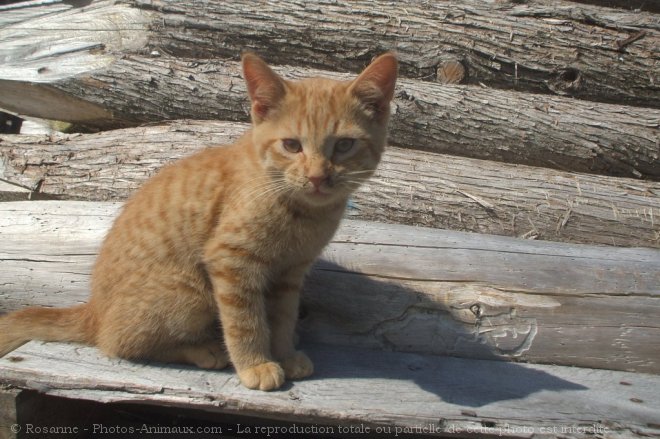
{"points": [[317, 180]]}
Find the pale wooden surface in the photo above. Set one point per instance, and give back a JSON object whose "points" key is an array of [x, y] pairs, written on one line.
{"points": [[401, 288], [375, 389], [410, 187], [101, 79]]}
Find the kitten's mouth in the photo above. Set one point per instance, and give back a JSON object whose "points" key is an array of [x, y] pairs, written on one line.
{"points": [[317, 192]]}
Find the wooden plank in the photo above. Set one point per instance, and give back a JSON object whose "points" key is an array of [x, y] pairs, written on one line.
{"points": [[401, 288], [467, 194], [102, 79], [380, 391]]}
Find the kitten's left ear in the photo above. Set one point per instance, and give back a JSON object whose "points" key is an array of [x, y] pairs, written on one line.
{"points": [[375, 85], [265, 88]]}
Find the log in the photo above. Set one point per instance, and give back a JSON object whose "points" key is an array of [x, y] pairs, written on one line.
{"points": [[410, 187], [546, 46], [401, 288], [486, 124], [21, 11], [632, 5], [95, 78], [541, 46], [359, 393]]}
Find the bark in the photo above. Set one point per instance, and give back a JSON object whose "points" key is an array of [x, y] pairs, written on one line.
{"points": [[78, 68], [631, 5], [522, 128], [543, 46], [410, 187]]}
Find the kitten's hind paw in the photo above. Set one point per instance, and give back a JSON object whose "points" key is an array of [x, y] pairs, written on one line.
{"points": [[264, 376], [298, 366], [211, 356]]}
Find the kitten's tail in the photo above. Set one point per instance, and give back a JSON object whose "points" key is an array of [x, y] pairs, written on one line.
{"points": [[47, 324]]}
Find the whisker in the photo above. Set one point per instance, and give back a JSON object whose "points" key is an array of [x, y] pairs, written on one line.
{"points": [[365, 171]]}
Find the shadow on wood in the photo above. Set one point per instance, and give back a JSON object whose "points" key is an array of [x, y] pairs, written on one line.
{"points": [[447, 395], [384, 287], [394, 287], [479, 385]]}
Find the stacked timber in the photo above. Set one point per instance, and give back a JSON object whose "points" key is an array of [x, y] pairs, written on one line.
{"points": [[410, 187], [515, 216]]}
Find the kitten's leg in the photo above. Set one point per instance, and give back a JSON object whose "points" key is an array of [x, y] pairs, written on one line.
{"points": [[283, 305], [209, 355], [239, 280], [167, 316]]}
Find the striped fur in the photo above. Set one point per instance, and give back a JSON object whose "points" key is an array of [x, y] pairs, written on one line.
{"points": [[205, 263]]}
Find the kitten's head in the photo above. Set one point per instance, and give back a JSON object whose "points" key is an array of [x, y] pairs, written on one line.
{"points": [[318, 138]]}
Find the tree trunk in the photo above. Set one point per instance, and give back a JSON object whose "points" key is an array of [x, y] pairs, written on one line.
{"points": [[545, 46], [542, 46], [410, 187], [401, 288], [89, 76], [631, 5], [488, 124]]}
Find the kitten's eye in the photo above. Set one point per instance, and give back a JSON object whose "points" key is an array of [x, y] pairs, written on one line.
{"points": [[292, 145], [344, 145]]}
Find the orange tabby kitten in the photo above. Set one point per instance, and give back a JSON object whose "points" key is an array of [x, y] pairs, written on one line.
{"points": [[230, 230]]}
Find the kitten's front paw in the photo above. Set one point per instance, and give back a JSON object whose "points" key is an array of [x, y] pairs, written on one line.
{"points": [[264, 376], [298, 366]]}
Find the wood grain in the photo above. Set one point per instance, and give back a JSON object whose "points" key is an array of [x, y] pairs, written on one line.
{"points": [[524, 46], [410, 187], [100, 79], [434, 396], [401, 288]]}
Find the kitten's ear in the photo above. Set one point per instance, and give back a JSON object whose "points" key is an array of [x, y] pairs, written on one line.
{"points": [[375, 85], [265, 88]]}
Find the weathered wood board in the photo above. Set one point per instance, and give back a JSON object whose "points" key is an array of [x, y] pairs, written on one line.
{"points": [[410, 187], [387, 393], [100, 77], [401, 288]]}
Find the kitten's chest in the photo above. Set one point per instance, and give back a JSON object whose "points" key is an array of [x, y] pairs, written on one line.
{"points": [[299, 237], [278, 234]]}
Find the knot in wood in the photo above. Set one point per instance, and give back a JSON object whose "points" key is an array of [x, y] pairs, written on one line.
{"points": [[567, 81], [451, 72], [476, 310]]}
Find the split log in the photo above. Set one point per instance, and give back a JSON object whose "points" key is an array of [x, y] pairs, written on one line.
{"points": [[410, 187], [356, 393], [549, 46], [91, 78], [401, 288]]}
